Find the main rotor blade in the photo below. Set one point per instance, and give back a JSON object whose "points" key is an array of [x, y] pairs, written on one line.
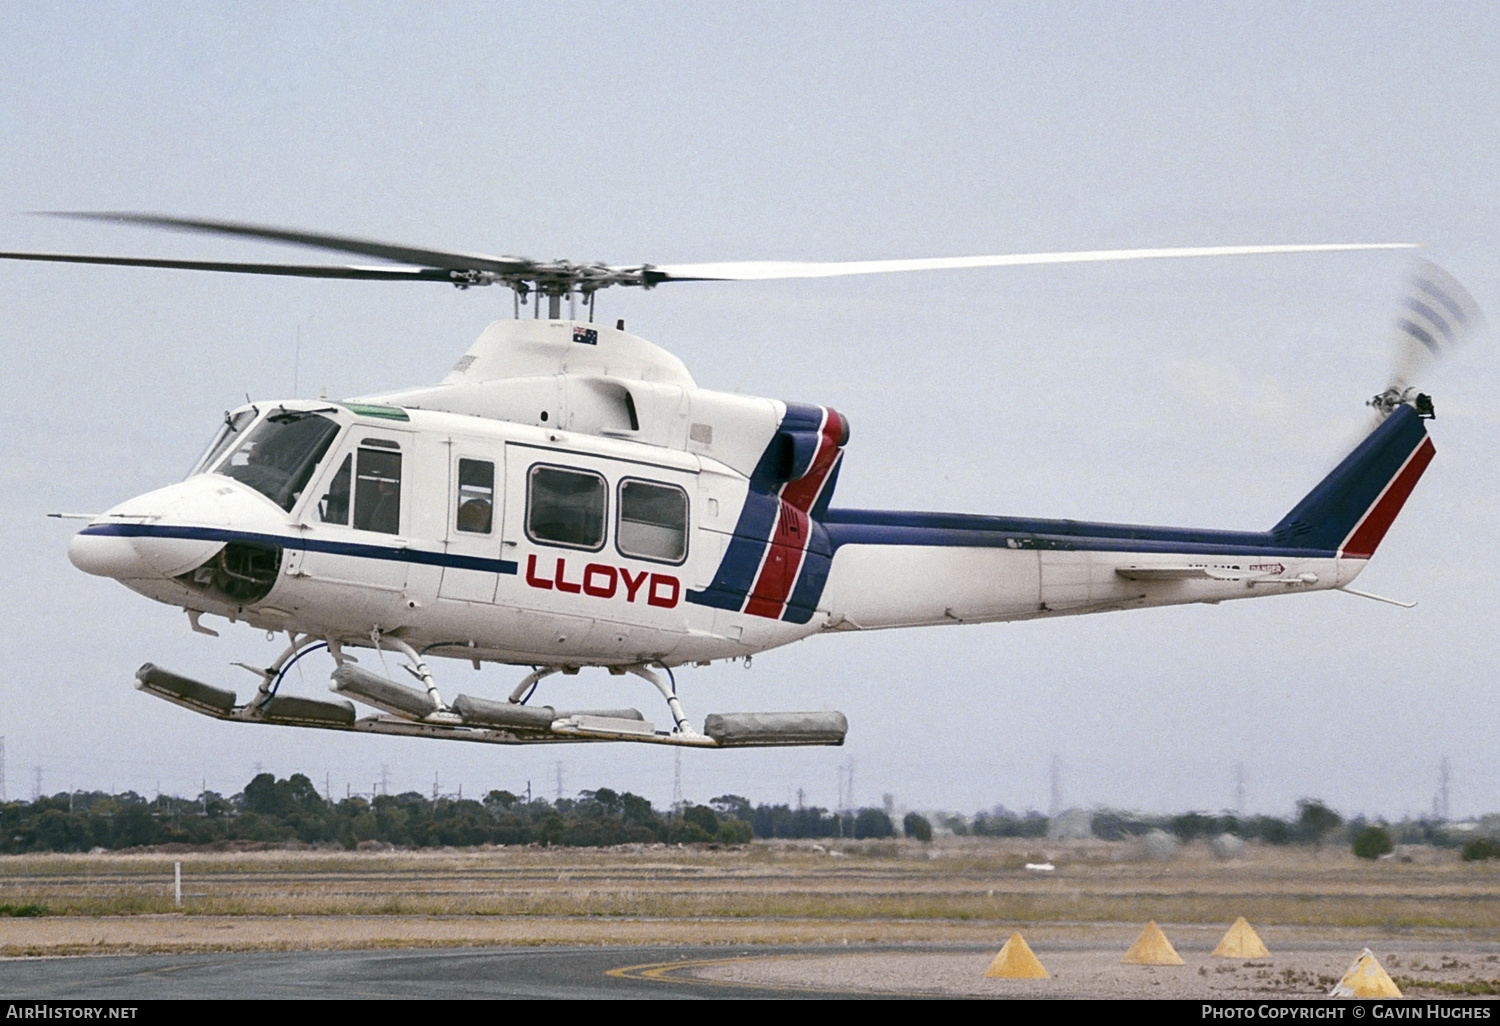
{"points": [[765, 270], [289, 270], [337, 243], [562, 276]]}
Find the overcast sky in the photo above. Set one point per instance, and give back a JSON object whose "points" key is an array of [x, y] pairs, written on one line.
{"points": [[1205, 394]]}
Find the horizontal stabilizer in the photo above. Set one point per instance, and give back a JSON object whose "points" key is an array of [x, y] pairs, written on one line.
{"points": [[1187, 573]]}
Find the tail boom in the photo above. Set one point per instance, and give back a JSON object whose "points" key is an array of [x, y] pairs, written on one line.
{"points": [[895, 569]]}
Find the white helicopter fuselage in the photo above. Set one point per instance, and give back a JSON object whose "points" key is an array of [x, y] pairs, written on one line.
{"points": [[492, 594], [568, 497]]}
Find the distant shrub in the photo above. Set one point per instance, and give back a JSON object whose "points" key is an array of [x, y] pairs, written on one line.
{"points": [[873, 823], [698, 824], [1315, 821], [915, 826], [1191, 825], [1373, 842], [1480, 848], [735, 831], [28, 910], [1272, 830], [1004, 823]]}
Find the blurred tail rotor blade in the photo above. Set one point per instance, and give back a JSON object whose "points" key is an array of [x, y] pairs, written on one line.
{"points": [[1437, 315]]}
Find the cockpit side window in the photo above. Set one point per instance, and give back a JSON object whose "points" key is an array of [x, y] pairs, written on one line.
{"points": [[333, 507], [377, 491], [279, 455]]}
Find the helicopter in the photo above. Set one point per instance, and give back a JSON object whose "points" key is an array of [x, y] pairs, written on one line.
{"points": [[567, 497]]}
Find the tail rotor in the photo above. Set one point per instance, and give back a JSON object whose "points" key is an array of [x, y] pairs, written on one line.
{"points": [[1437, 316]]}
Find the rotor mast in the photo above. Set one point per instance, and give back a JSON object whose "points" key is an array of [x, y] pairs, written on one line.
{"points": [[558, 278]]}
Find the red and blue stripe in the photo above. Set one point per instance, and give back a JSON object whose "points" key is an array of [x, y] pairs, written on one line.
{"points": [[778, 558]]}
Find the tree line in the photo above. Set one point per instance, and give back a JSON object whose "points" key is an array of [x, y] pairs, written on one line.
{"points": [[271, 810]]}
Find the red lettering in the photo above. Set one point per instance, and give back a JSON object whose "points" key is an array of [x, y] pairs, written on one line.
{"points": [[631, 587], [531, 577], [562, 585], [599, 590], [600, 580], [665, 601]]}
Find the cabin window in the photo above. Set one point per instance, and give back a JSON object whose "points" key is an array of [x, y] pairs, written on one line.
{"points": [[333, 507], [565, 507], [279, 456], [652, 521], [377, 491], [476, 496]]}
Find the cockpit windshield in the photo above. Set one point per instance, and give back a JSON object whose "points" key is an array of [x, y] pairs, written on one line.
{"points": [[229, 432], [279, 455]]}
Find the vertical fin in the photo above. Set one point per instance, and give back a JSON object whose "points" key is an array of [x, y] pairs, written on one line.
{"points": [[1350, 510]]}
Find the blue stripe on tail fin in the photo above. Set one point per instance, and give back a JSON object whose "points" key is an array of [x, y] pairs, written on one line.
{"points": [[1350, 509]]}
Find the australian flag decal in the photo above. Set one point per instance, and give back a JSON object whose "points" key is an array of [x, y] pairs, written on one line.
{"points": [[588, 336]]}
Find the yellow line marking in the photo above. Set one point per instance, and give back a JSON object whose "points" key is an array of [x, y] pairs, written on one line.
{"points": [[664, 972]]}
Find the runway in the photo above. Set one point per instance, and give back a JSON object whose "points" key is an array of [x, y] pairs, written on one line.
{"points": [[584, 973], [1301, 967]]}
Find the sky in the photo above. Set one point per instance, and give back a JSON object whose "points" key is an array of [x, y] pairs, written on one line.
{"points": [[1211, 393]]}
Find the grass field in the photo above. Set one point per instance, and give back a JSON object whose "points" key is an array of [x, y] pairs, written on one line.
{"points": [[952, 891]]}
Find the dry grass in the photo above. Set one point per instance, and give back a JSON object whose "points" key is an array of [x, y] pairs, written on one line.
{"points": [[953, 891]]}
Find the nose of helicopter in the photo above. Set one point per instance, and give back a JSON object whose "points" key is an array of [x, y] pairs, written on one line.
{"points": [[128, 552], [160, 534], [99, 551]]}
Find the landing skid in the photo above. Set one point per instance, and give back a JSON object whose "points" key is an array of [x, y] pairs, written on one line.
{"points": [[473, 719]]}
